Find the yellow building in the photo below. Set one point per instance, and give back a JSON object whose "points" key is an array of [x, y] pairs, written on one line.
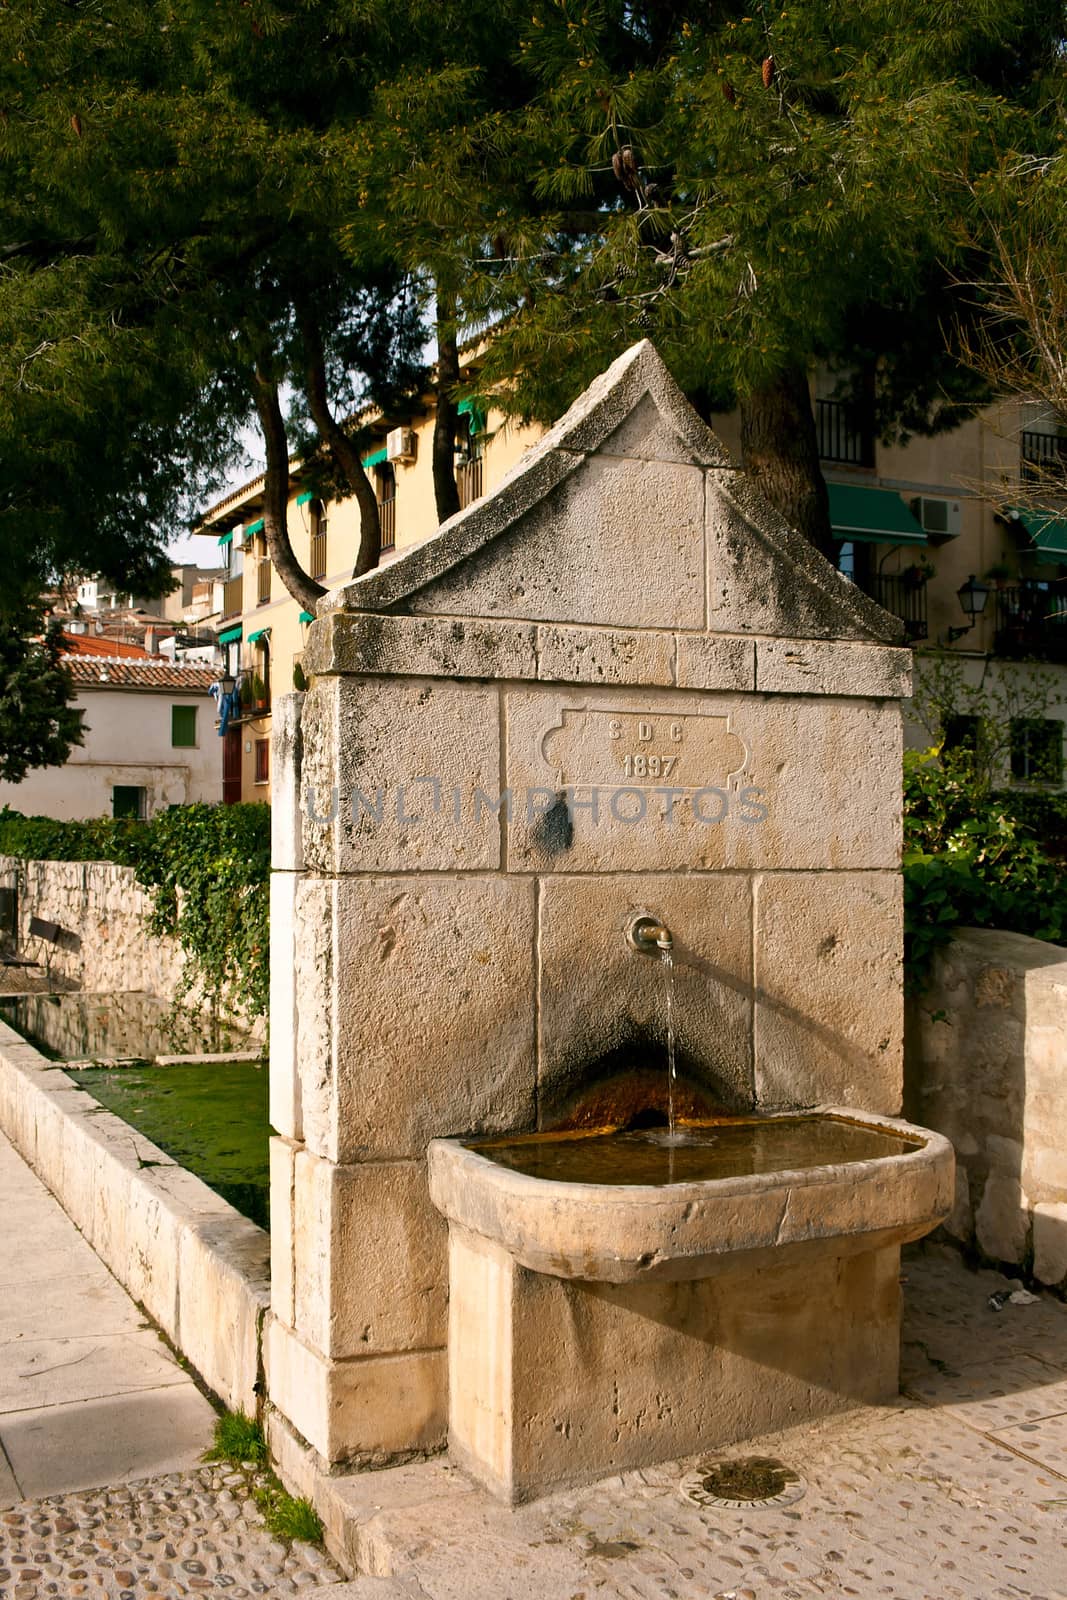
{"points": [[916, 523]]}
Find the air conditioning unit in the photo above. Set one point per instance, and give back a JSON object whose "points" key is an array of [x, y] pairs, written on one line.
{"points": [[939, 519], [400, 444]]}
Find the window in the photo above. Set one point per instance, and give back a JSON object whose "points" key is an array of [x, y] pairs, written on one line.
{"points": [[1036, 750], [961, 733], [318, 540], [183, 727], [128, 801], [846, 560], [470, 453], [262, 761]]}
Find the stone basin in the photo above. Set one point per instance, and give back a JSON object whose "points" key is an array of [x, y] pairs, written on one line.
{"points": [[832, 1182]]}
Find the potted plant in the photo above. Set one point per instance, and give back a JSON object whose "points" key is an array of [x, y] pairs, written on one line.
{"points": [[999, 574], [918, 573]]}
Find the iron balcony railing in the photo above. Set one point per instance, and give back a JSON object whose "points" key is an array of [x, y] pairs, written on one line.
{"points": [[839, 438], [469, 481], [263, 580], [1031, 622], [1044, 455], [903, 597], [387, 522]]}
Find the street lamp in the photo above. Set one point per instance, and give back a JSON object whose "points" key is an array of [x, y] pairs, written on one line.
{"points": [[227, 683], [972, 597]]}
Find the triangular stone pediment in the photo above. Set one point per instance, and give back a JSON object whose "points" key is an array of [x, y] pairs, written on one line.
{"points": [[628, 514]]}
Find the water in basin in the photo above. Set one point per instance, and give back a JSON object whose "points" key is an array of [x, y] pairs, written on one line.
{"points": [[730, 1147], [79, 1026]]}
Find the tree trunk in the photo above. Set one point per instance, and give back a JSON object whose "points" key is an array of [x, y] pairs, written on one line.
{"points": [[780, 449], [276, 495], [445, 490], [344, 453]]}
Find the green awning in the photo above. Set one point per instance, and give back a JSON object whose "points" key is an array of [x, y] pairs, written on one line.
{"points": [[226, 538], [1046, 531], [475, 409], [254, 527], [231, 635], [873, 516], [260, 633], [302, 499], [376, 459], [307, 616]]}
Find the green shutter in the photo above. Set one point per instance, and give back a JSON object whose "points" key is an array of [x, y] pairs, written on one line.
{"points": [[183, 727]]}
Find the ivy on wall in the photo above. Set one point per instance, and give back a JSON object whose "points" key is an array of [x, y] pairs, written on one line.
{"points": [[207, 869]]}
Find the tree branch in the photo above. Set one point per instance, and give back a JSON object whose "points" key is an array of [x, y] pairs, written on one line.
{"points": [[344, 453], [276, 494]]}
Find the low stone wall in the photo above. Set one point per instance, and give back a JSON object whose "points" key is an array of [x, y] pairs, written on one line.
{"points": [[986, 1064], [199, 1268], [103, 913]]}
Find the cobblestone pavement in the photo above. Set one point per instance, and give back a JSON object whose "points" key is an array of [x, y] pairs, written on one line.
{"points": [[190, 1533]]}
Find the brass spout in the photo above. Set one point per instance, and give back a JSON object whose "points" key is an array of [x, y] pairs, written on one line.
{"points": [[649, 937]]}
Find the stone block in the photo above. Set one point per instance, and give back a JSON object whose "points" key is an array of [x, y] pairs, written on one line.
{"points": [[555, 1382], [224, 1294], [710, 661], [832, 667], [765, 578], [370, 1258], [283, 1154], [829, 1000], [1050, 1242], [652, 780], [284, 1109], [286, 843], [1002, 1221], [602, 1002], [358, 1411], [432, 647], [392, 768], [604, 655], [416, 1011], [573, 558]]}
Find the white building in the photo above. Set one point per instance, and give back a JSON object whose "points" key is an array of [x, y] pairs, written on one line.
{"points": [[150, 742]]}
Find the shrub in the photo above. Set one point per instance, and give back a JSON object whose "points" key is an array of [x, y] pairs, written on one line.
{"points": [[972, 857]]}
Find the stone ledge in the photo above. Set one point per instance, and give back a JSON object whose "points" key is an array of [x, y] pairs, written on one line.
{"points": [[198, 1267]]}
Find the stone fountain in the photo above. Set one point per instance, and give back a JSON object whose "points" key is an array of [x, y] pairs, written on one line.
{"points": [[620, 688]]}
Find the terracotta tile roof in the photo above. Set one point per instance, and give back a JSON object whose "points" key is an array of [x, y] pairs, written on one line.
{"points": [[87, 644], [145, 674]]}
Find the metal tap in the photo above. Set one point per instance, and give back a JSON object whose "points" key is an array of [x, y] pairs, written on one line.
{"points": [[649, 937]]}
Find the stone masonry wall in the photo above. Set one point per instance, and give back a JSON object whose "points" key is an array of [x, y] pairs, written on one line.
{"points": [[103, 913], [986, 1064]]}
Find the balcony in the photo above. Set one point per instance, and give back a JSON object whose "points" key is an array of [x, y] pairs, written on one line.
{"points": [[902, 597], [469, 481], [1043, 457], [387, 522], [1031, 623], [839, 438]]}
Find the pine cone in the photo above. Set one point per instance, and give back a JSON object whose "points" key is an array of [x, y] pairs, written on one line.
{"points": [[76, 124], [768, 72], [729, 94]]}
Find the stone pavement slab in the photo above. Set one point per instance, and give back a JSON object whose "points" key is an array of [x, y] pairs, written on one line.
{"points": [[89, 1393]]}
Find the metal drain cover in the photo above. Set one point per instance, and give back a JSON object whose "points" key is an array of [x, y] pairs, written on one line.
{"points": [[743, 1481]]}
